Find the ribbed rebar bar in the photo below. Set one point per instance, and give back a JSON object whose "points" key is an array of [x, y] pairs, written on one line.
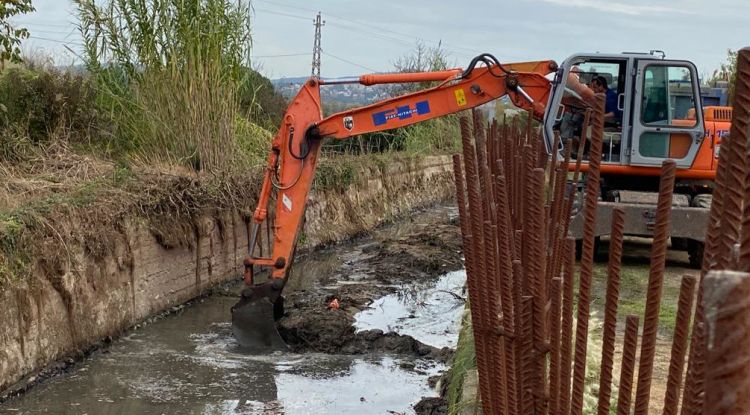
{"points": [[629, 348], [563, 210], [587, 257], [655, 284], [555, 335], [506, 283], [566, 341], [736, 146], [610, 310], [741, 127], [537, 283], [527, 321], [489, 286], [679, 344], [478, 268], [518, 344], [727, 305], [692, 401]]}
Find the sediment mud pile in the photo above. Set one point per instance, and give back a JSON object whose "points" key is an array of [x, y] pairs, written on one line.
{"points": [[415, 254]]}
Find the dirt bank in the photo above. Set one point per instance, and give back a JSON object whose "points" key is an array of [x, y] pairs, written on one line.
{"points": [[69, 302]]}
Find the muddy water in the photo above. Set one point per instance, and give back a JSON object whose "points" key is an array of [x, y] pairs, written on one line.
{"points": [[188, 363], [429, 314]]}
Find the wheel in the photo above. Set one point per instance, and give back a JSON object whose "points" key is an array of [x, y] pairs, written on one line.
{"points": [[695, 253]]}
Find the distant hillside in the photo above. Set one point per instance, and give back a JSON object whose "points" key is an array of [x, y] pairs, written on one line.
{"points": [[345, 95]]}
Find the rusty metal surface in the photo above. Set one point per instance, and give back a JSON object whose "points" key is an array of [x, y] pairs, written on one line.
{"points": [[610, 313], [654, 290], [693, 396], [567, 326], [555, 336], [741, 129], [629, 348], [727, 306], [476, 272], [679, 344], [587, 258]]}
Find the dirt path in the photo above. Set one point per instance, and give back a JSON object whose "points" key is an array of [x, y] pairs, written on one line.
{"points": [[633, 288]]}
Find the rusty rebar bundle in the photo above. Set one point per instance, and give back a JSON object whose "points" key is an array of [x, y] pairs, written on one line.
{"points": [[515, 208]]}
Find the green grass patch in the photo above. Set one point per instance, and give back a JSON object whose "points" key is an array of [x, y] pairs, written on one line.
{"points": [[465, 359]]}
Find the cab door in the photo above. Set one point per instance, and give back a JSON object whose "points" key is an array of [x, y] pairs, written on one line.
{"points": [[667, 114]]}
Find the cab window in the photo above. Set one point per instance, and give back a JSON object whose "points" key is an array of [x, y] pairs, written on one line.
{"points": [[668, 96]]}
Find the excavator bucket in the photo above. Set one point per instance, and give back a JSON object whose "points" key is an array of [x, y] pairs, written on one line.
{"points": [[254, 318]]}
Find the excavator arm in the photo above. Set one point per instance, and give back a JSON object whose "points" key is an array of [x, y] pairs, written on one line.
{"points": [[296, 147]]}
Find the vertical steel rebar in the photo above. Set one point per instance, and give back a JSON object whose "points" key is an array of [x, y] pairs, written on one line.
{"points": [[587, 257], [655, 284], [535, 274], [555, 335], [566, 341], [741, 127], [520, 331], [490, 290], [679, 344], [629, 348], [692, 401], [477, 276], [727, 306], [736, 147], [508, 303], [527, 403], [610, 313]]}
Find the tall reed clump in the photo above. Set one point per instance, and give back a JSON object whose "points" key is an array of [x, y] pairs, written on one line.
{"points": [[168, 72]]}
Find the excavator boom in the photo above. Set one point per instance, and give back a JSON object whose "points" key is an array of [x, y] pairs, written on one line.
{"points": [[296, 147]]}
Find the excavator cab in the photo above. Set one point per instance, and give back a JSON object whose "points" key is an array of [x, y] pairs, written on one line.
{"points": [[653, 110]]}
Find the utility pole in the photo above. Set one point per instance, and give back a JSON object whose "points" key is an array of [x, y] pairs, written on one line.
{"points": [[316, 47]]}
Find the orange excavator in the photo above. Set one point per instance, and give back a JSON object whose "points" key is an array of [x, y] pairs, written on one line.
{"points": [[656, 115]]}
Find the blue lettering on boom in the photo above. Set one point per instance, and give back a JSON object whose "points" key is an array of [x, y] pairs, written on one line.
{"points": [[401, 112]]}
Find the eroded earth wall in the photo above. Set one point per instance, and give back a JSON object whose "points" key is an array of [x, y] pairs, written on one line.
{"points": [[66, 307]]}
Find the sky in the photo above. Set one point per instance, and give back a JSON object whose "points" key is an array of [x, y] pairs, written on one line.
{"points": [[362, 37]]}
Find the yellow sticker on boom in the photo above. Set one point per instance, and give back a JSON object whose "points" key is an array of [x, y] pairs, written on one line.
{"points": [[460, 97]]}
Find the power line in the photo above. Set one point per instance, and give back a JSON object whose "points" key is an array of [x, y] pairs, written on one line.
{"points": [[25, 23], [62, 42], [350, 62], [381, 29], [286, 55], [295, 16]]}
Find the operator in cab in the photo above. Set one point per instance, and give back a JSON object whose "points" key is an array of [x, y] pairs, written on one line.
{"points": [[612, 114]]}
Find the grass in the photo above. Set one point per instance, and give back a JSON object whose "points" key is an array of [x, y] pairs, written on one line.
{"points": [[463, 360]]}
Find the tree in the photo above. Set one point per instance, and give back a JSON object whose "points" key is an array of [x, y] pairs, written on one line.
{"points": [[727, 72], [10, 35]]}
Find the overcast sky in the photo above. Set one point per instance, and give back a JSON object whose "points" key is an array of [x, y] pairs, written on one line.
{"points": [[364, 36]]}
